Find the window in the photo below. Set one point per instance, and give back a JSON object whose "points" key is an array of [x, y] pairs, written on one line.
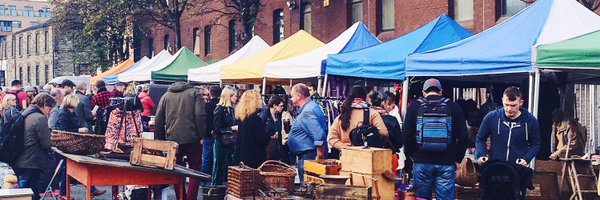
{"points": [[45, 13], [14, 44], [463, 10], [33, 23], [2, 10], [6, 26], [208, 39], [356, 7], [46, 41], [46, 74], [306, 20], [196, 37], [232, 35], [28, 46], [12, 10], [37, 39], [511, 7], [386, 12], [278, 30], [20, 45], [150, 47], [28, 11], [28, 74], [16, 24], [167, 46], [37, 75], [21, 73]]}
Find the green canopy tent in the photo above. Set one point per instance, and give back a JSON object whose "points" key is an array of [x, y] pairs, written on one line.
{"points": [[579, 57], [178, 69]]}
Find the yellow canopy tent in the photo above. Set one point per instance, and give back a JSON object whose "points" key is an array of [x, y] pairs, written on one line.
{"points": [[252, 69], [113, 70]]}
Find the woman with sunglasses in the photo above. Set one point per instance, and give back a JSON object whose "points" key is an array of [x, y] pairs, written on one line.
{"points": [[271, 116]]}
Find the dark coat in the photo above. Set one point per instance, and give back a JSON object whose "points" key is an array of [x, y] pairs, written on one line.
{"points": [[224, 119], [271, 127], [67, 121], [210, 107], [84, 111], [252, 141], [180, 115], [36, 141], [394, 131]]}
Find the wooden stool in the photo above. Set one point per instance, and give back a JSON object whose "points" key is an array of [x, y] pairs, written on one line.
{"points": [[581, 177]]}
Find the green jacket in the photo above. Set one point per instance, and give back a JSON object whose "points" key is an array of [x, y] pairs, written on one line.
{"points": [[180, 115]]}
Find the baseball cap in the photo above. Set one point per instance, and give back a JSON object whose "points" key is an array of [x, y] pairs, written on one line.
{"points": [[68, 83], [432, 82]]}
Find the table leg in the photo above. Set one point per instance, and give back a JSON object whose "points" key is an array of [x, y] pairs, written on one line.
{"points": [[88, 192], [181, 188], [68, 186]]}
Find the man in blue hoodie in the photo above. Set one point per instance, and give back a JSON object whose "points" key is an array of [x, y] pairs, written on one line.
{"points": [[514, 132]]}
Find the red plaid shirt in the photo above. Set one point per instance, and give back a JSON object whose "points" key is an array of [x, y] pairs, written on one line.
{"points": [[102, 99]]}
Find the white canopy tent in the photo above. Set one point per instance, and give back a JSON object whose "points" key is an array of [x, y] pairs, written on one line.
{"points": [[212, 72], [142, 73]]}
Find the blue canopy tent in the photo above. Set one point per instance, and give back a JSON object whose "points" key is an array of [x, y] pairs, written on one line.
{"points": [[113, 79], [386, 60], [507, 47]]}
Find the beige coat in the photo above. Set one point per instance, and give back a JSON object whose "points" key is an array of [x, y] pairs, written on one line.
{"points": [[339, 138]]}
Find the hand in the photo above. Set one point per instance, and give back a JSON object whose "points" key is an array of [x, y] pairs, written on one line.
{"points": [[275, 136], [482, 160], [555, 156], [320, 156], [202, 142], [83, 130], [93, 114], [234, 128], [521, 161]]}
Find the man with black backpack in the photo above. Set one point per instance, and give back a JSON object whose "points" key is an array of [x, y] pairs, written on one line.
{"points": [[435, 137], [16, 89]]}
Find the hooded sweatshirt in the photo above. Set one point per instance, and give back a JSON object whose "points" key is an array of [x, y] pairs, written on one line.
{"points": [[180, 115], [511, 138]]}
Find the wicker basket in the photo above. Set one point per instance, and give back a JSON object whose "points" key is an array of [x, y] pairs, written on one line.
{"points": [[277, 174], [242, 181], [466, 175], [77, 143]]}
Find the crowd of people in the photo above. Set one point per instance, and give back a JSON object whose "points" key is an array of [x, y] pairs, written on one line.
{"points": [[219, 127]]}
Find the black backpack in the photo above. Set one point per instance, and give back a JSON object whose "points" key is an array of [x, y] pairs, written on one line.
{"points": [[12, 137], [434, 125], [367, 134], [499, 180]]}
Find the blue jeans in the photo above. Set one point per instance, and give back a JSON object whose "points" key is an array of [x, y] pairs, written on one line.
{"points": [[28, 178], [207, 155], [428, 176], [306, 155]]}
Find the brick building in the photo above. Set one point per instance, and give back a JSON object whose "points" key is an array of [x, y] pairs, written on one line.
{"points": [[209, 36]]}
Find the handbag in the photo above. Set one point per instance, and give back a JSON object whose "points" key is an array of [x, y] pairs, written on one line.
{"points": [[227, 138], [367, 134], [466, 175]]}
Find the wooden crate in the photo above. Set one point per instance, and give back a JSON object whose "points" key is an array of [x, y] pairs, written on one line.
{"points": [[242, 181], [366, 160], [149, 153], [323, 167], [326, 179], [384, 189], [343, 192]]}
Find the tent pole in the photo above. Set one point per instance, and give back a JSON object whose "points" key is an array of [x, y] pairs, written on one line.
{"points": [[530, 96], [264, 86], [221, 83], [404, 96], [319, 83], [325, 85], [536, 94], [291, 83], [593, 113]]}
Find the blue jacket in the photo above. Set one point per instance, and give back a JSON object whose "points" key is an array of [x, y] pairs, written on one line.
{"points": [[309, 130], [511, 139]]}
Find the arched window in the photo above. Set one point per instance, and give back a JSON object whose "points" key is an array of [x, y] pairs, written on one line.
{"points": [[196, 36], [232, 35], [208, 39], [306, 20]]}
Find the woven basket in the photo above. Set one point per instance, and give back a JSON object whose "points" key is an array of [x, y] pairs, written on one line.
{"points": [[77, 143], [277, 174], [242, 181], [466, 175]]}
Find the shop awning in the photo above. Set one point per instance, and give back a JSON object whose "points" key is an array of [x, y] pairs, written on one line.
{"points": [[112, 79], [112, 71], [178, 69]]}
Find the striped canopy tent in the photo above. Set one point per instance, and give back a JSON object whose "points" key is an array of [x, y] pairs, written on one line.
{"points": [[113, 70]]}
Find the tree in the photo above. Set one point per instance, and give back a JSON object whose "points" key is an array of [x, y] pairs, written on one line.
{"points": [[167, 13], [245, 11], [591, 4]]}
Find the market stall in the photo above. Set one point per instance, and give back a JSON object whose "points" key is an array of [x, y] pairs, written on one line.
{"points": [[211, 73], [112, 79], [113, 70], [142, 73], [177, 70]]}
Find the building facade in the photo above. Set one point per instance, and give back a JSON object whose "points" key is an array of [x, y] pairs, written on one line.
{"points": [[16, 15], [213, 37], [36, 55]]}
